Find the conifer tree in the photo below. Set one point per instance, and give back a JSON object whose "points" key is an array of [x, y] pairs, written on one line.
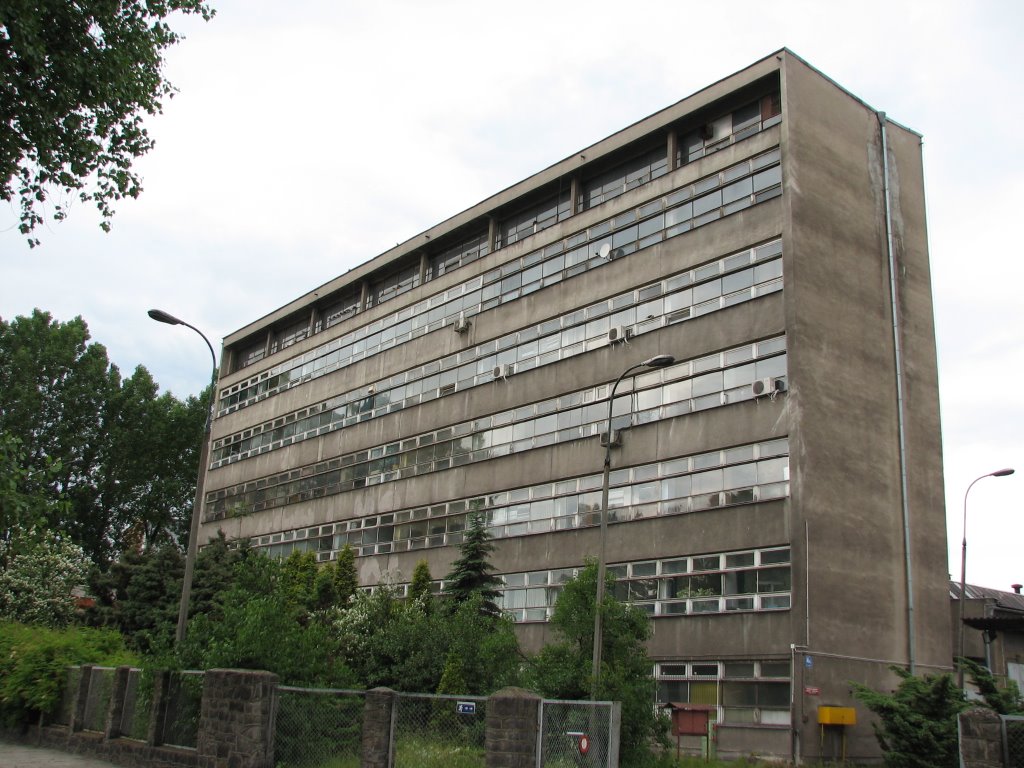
{"points": [[419, 587], [346, 581], [472, 573]]}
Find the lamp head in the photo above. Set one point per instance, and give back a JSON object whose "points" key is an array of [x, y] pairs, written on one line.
{"points": [[661, 361], [162, 317], [1003, 472]]}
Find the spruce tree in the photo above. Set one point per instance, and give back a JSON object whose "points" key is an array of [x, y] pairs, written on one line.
{"points": [[346, 580], [472, 573], [419, 587]]}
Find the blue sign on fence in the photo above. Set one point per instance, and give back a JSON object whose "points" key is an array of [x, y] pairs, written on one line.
{"points": [[466, 707]]}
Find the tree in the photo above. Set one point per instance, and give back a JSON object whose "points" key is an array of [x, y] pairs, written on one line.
{"points": [[563, 669], [472, 573], [75, 82], [917, 723], [1005, 701], [37, 575], [419, 587], [106, 461], [148, 460], [346, 581], [263, 623], [138, 595], [23, 506], [53, 386]]}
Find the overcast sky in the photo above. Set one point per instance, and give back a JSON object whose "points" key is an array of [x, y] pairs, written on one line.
{"points": [[310, 136]]}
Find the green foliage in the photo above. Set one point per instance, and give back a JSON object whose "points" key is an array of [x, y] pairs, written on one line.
{"points": [[22, 506], [917, 725], [139, 597], [104, 461], [433, 753], [34, 661], [472, 572], [346, 582], [405, 646], [75, 82], [264, 621], [1005, 701], [562, 669], [419, 587], [37, 574]]}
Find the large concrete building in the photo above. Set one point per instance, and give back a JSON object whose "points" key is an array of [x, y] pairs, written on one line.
{"points": [[776, 501]]}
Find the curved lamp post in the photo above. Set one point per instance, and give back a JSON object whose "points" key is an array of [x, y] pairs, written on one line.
{"points": [[658, 361], [204, 451], [963, 569]]}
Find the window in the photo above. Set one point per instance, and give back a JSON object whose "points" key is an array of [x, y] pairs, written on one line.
{"points": [[722, 131]]}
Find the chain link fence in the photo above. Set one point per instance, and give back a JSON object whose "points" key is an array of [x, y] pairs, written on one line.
{"points": [[183, 699], [97, 699], [317, 727], [62, 715], [1013, 741], [579, 734], [439, 731], [138, 698]]}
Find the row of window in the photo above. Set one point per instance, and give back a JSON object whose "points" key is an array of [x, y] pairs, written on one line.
{"points": [[738, 475], [731, 280], [723, 131], [708, 382], [718, 583], [736, 691], [755, 580], [744, 184]]}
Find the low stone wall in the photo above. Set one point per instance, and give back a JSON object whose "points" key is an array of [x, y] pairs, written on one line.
{"points": [[237, 723]]}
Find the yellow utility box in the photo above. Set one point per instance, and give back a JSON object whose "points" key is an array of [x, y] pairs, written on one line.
{"points": [[837, 716]]}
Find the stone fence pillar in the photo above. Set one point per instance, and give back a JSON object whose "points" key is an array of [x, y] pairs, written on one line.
{"points": [[236, 725], [981, 740], [512, 728], [378, 728]]}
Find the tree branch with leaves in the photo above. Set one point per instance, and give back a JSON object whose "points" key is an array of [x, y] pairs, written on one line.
{"points": [[76, 80]]}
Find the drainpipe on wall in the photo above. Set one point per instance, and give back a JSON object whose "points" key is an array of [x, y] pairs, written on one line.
{"points": [[900, 406]]}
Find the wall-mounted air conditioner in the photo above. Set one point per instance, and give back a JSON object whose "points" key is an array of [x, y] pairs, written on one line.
{"points": [[619, 333], [769, 386]]}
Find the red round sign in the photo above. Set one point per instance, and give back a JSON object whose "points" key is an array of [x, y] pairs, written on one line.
{"points": [[584, 744]]}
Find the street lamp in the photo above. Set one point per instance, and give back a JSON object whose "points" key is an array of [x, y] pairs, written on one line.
{"points": [[658, 361], [204, 451], [963, 570]]}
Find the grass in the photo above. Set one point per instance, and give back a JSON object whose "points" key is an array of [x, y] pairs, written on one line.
{"points": [[417, 752]]}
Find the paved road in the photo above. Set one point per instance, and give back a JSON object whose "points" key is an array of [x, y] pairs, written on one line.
{"points": [[19, 756]]}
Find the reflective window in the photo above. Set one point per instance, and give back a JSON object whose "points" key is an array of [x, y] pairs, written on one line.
{"points": [[512, 280], [519, 351], [403, 459]]}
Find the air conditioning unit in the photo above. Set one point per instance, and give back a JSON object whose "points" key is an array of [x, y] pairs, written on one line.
{"points": [[707, 132], [619, 333], [503, 371], [769, 386], [616, 438], [462, 324]]}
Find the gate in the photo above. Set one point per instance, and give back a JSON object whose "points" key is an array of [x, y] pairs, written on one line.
{"points": [[581, 734], [1013, 741]]}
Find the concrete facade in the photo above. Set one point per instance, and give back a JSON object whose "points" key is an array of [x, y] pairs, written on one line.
{"points": [[777, 500]]}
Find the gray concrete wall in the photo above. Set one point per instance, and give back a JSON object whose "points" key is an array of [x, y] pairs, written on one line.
{"points": [[845, 462]]}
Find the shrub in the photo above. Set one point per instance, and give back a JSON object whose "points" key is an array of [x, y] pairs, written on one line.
{"points": [[34, 662]]}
